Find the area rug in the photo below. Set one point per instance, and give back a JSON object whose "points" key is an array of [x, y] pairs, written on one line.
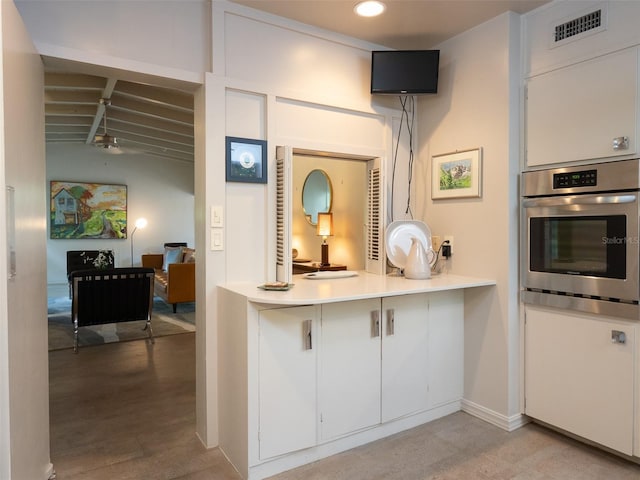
{"points": [[163, 322]]}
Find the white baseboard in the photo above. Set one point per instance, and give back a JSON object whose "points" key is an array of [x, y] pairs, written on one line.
{"points": [[50, 473], [502, 421], [267, 468]]}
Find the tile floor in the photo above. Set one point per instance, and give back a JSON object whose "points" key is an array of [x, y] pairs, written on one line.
{"points": [[126, 411]]}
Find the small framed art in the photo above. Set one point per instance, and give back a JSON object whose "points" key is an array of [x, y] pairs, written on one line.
{"points": [[246, 160], [457, 174]]}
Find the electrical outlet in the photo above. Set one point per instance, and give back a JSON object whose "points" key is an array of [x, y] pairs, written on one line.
{"points": [[450, 239], [435, 242]]}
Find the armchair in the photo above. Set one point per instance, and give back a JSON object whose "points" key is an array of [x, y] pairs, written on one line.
{"points": [[110, 296], [175, 273]]}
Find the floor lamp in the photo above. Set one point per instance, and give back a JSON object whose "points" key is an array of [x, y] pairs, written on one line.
{"points": [[140, 223]]}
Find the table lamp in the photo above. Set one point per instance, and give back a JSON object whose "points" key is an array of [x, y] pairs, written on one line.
{"points": [[140, 223], [325, 229]]}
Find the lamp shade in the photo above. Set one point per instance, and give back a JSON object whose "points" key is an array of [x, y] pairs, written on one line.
{"points": [[325, 224], [141, 223]]}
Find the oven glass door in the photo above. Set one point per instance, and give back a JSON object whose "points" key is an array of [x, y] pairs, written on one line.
{"points": [[582, 244], [579, 245]]}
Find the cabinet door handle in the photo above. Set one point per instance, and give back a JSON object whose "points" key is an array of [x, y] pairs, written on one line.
{"points": [[618, 337], [375, 323], [307, 326], [391, 322], [620, 143]]}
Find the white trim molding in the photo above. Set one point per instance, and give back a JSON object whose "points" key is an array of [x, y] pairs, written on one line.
{"points": [[502, 421]]}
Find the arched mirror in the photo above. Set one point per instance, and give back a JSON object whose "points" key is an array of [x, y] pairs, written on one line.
{"points": [[316, 195]]}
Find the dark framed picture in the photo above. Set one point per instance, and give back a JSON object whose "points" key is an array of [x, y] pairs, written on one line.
{"points": [[246, 160]]}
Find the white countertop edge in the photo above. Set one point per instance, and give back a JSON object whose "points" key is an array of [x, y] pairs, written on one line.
{"points": [[364, 285]]}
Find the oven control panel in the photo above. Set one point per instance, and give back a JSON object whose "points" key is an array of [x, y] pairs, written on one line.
{"points": [[585, 178]]}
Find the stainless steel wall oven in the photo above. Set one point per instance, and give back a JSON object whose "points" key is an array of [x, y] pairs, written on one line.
{"points": [[581, 238]]}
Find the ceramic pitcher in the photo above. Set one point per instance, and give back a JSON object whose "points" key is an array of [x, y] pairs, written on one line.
{"points": [[418, 265]]}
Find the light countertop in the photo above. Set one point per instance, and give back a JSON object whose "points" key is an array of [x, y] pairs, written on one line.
{"points": [[365, 285]]}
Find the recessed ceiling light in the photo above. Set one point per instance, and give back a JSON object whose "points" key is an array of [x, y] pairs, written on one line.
{"points": [[370, 8]]}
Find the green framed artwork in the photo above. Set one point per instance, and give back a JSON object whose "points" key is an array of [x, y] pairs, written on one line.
{"points": [[87, 210], [457, 174]]}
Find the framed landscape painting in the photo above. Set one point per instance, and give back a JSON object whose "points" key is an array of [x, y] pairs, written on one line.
{"points": [[457, 174], [87, 210]]}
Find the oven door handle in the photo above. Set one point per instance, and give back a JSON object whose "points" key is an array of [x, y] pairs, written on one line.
{"points": [[574, 200]]}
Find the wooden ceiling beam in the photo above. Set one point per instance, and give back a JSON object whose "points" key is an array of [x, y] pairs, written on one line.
{"points": [[175, 99], [74, 81], [143, 131], [128, 104], [157, 123], [100, 112], [161, 144], [67, 109], [145, 119], [78, 97]]}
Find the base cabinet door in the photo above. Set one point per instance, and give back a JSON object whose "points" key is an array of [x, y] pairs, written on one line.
{"points": [[446, 347], [579, 375], [405, 363], [287, 380], [349, 383]]}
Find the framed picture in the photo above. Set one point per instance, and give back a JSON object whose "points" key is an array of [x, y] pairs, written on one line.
{"points": [[457, 174], [87, 210], [246, 160]]}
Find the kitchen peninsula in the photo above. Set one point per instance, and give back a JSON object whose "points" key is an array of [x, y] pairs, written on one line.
{"points": [[335, 363]]}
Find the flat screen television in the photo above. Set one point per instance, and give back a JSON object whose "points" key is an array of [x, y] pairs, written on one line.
{"points": [[404, 72]]}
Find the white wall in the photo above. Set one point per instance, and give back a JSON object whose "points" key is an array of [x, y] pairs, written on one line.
{"points": [[290, 85], [158, 189], [477, 106], [24, 372], [169, 38]]}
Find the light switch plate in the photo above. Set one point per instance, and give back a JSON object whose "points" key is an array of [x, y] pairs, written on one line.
{"points": [[217, 239], [217, 216]]}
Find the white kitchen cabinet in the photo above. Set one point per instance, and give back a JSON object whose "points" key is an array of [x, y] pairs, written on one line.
{"points": [[446, 347], [283, 405], [287, 380], [422, 356], [405, 355], [577, 378], [575, 113], [349, 383], [383, 359]]}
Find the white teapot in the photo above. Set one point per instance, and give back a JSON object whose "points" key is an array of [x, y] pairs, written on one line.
{"points": [[418, 266]]}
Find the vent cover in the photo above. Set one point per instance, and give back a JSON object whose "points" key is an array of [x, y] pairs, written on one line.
{"points": [[577, 26]]}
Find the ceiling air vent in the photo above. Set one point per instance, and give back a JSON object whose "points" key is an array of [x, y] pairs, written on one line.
{"points": [[586, 23]]}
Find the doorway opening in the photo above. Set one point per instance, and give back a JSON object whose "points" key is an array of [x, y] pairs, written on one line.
{"points": [[153, 123]]}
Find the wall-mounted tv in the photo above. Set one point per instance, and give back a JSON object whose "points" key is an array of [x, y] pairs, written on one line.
{"points": [[404, 72]]}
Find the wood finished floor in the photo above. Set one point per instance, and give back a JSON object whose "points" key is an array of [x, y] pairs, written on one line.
{"points": [[126, 411]]}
